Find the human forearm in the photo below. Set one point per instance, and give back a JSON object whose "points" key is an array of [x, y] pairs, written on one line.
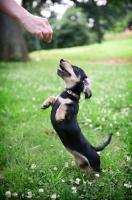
{"points": [[12, 9], [33, 24]]}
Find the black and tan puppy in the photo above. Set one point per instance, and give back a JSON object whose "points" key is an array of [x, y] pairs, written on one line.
{"points": [[64, 117]]}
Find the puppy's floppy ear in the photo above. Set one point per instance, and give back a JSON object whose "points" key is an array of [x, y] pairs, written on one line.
{"points": [[86, 88]]}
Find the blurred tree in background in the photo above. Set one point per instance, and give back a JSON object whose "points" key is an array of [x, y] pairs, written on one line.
{"points": [[71, 30], [12, 42]]}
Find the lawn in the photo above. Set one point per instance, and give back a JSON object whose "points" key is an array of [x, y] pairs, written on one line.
{"points": [[33, 162]]}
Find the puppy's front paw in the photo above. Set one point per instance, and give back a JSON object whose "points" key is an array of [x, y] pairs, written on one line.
{"points": [[44, 106], [59, 116]]}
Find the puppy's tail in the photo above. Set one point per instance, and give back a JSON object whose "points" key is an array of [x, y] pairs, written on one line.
{"points": [[100, 148]]}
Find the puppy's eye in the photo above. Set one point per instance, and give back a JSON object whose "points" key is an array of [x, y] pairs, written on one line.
{"points": [[76, 68]]}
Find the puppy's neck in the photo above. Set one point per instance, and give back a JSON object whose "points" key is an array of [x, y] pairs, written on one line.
{"points": [[73, 94]]}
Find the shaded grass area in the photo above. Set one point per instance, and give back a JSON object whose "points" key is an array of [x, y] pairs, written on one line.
{"points": [[33, 162]]}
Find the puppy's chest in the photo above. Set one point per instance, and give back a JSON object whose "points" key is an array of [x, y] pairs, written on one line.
{"points": [[61, 102], [62, 109]]}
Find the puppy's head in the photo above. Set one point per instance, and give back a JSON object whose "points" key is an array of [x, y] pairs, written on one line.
{"points": [[74, 77]]}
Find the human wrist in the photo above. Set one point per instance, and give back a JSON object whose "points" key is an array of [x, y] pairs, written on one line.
{"points": [[21, 16]]}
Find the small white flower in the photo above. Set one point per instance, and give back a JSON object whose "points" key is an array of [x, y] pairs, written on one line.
{"points": [[33, 166], [23, 110], [89, 183], [33, 98], [127, 185], [90, 125], [97, 175], [41, 190], [53, 196], [61, 151], [63, 180], [111, 172], [72, 181], [128, 158], [77, 181], [88, 120], [74, 190], [73, 163], [103, 119], [117, 133], [104, 111], [14, 194], [55, 168], [29, 196], [103, 170], [111, 125], [66, 164], [8, 194]]}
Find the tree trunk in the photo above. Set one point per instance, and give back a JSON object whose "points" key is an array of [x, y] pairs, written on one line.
{"points": [[12, 43]]}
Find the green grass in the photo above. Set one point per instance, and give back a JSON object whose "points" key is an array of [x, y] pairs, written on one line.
{"points": [[31, 154], [120, 48]]}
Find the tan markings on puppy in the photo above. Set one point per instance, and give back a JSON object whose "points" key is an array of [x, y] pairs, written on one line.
{"points": [[81, 160], [49, 102], [73, 79], [61, 111]]}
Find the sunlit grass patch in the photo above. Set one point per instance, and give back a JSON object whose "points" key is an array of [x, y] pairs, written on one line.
{"points": [[112, 49], [33, 162]]}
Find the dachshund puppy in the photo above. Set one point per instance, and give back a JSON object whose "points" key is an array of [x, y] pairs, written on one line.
{"points": [[64, 117]]}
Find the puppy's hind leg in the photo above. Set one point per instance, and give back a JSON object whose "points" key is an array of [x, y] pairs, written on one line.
{"points": [[81, 160], [49, 102]]}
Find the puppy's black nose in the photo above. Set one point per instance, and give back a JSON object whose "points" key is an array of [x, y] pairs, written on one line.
{"points": [[62, 60]]}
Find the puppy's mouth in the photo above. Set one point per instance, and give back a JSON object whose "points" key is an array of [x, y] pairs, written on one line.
{"points": [[62, 71]]}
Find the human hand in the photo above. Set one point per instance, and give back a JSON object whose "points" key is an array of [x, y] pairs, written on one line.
{"points": [[33, 24], [38, 26]]}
